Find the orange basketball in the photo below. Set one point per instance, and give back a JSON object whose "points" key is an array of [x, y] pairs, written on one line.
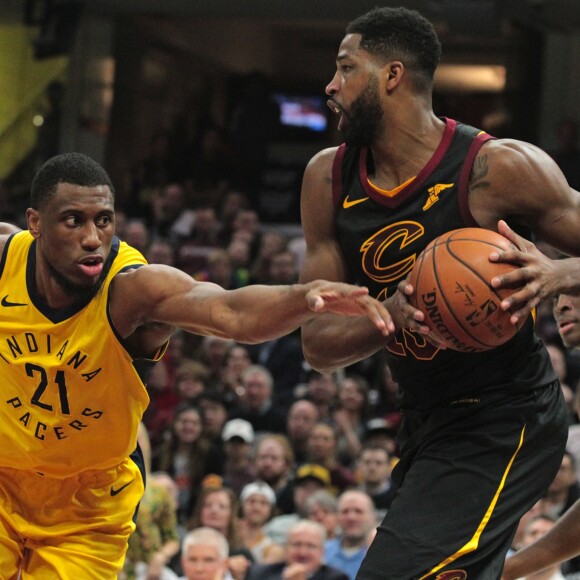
{"points": [[451, 278]]}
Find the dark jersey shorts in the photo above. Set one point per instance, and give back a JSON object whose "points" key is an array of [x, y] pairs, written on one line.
{"points": [[468, 472]]}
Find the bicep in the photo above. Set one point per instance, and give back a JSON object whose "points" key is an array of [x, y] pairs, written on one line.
{"points": [[323, 259], [165, 296]]}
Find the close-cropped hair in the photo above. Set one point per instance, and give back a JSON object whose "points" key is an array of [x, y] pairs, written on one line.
{"points": [[205, 536], [401, 34], [74, 168]]}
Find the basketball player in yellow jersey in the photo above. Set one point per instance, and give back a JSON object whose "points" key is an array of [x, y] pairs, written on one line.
{"points": [[81, 316]]}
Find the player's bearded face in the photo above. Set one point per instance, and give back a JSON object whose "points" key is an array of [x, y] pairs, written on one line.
{"points": [[364, 117]]}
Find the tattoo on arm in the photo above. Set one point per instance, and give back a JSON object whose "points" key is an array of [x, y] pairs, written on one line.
{"points": [[479, 174], [328, 180]]}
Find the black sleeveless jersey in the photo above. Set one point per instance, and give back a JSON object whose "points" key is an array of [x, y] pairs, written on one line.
{"points": [[380, 238]]}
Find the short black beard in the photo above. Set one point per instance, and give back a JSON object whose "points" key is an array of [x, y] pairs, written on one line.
{"points": [[365, 118], [81, 294]]}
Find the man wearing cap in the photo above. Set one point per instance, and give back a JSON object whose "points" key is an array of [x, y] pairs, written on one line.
{"points": [[309, 478], [238, 436], [258, 502]]}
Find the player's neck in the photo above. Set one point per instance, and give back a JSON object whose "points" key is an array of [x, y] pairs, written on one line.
{"points": [[404, 149]]}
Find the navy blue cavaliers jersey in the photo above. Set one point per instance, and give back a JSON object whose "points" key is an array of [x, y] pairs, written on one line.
{"points": [[382, 233]]}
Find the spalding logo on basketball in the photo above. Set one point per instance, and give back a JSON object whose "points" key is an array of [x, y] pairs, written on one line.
{"points": [[452, 279]]}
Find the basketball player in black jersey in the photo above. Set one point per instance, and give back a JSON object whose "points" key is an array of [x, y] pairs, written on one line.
{"points": [[483, 434]]}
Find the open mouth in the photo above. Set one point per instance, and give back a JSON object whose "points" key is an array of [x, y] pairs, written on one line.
{"points": [[92, 266]]}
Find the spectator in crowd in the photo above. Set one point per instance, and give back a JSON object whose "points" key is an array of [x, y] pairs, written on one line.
{"points": [[322, 507], [309, 479], [258, 502], [193, 252], [231, 203], [564, 491], [247, 226], [283, 268], [350, 416], [304, 557], [272, 243], [237, 359], [284, 360], [137, 234], [274, 462], [204, 555], [190, 380], [322, 450], [160, 251], [187, 455], [356, 519], [217, 508], [214, 411], [220, 270], [162, 400], [321, 389], [172, 219], [256, 404], [374, 468], [535, 529], [238, 470], [213, 354], [301, 419], [381, 431]]}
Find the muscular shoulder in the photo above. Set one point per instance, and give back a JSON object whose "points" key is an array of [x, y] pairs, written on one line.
{"points": [[512, 178], [136, 293]]}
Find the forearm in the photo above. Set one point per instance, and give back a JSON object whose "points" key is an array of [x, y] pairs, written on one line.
{"points": [[331, 342], [561, 543], [261, 313]]}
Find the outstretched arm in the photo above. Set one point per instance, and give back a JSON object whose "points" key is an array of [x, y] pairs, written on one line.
{"points": [[561, 543], [161, 295]]}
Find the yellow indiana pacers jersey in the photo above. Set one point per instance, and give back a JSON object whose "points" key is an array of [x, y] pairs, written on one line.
{"points": [[71, 398]]}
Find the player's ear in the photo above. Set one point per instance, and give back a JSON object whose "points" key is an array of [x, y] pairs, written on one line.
{"points": [[394, 71], [33, 222]]}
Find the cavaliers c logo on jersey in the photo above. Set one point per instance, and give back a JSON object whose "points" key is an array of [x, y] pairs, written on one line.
{"points": [[434, 194], [382, 257]]}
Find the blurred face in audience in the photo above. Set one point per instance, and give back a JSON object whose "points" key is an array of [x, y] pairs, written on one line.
{"points": [[356, 517], [270, 461], [305, 545], [203, 562], [187, 426], [256, 509], [374, 466], [216, 511], [301, 419]]}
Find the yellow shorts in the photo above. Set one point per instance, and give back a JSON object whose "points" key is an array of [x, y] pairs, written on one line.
{"points": [[70, 528]]}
